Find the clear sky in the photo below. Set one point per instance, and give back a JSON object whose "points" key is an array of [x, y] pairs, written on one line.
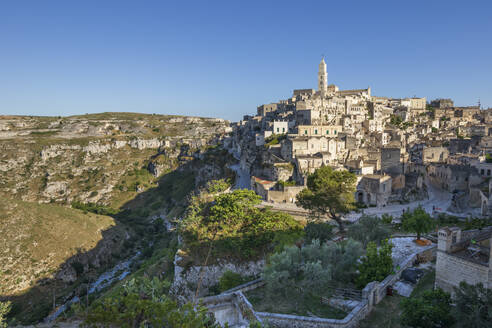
{"points": [[222, 59]]}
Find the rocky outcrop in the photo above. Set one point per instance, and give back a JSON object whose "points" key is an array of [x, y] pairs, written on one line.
{"points": [[186, 278]]}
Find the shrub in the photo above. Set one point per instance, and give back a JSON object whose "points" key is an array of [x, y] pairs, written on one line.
{"points": [[319, 231], [432, 310], [216, 186], [473, 305], [376, 265], [230, 280], [94, 208], [78, 267], [4, 310], [311, 267], [143, 302], [386, 219]]}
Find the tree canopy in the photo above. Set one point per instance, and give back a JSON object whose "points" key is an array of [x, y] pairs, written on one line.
{"points": [[473, 306], [376, 265], [309, 268], [232, 226], [432, 310], [418, 221], [367, 229], [329, 193], [321, 231], [141, 303]]}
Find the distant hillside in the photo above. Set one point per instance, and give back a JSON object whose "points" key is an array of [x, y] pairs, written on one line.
{"points": [[106, 157], [37, 238], [57, 172]]}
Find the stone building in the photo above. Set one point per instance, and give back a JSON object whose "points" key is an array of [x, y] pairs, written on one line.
{"points": [[264, 110], [390, 161], [452, 177], [435, 155], [329, 131], [442, 103], [280, 127], [373, 189], [463, 256]]}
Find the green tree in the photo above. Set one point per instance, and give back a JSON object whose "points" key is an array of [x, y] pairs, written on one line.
{"points": [[367, 229], [395, 120], [216, 186], [4, 310], [473, 305], [318, 230], [418, 221], [376, 265], [230, 280], [432, 310], [307, 269], [141, 303], [329, 193], [231, 226]]}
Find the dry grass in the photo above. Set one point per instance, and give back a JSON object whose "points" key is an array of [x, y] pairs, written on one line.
{"points": [[36, 238]]}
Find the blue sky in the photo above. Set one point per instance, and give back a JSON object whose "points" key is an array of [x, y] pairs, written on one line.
{"points": [[222, 59]]}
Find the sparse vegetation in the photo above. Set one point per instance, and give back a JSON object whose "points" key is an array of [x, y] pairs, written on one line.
{"points": [[4, 310]]}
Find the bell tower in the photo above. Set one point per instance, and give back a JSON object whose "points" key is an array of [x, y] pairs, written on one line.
{"points": [[322, 78]]}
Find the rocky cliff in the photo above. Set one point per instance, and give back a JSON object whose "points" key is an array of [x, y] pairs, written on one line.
{"points": [[79, 193]]}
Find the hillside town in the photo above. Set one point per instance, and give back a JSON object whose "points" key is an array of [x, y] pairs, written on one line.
{"points": [[402, 150]]}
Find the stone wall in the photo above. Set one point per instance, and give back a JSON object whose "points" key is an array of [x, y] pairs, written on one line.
{"points": [[232, 304], [232, 309], [451, 270], [288, 195], [380, 289], [186, 279], [294, 321]]}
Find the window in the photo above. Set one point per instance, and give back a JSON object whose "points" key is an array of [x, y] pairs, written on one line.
{"points": [[283, 129], [482, 172], [315, 131], [488, 172], [278, 129], [327, 131], [305, 131], [335, 132]]}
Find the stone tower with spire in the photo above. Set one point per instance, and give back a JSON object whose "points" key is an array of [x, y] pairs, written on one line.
{"points": [[322, 78]]}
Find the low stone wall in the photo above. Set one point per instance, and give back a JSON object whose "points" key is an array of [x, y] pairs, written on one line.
{"points": [[372, 294], [250, 285], [427, 254], [231, 309], [294, 321]]}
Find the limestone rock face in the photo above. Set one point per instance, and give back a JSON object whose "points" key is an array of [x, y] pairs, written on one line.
{"points": [[186, 279]]}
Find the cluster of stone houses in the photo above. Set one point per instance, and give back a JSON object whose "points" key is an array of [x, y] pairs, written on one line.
{"points": [[394, 146]]}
